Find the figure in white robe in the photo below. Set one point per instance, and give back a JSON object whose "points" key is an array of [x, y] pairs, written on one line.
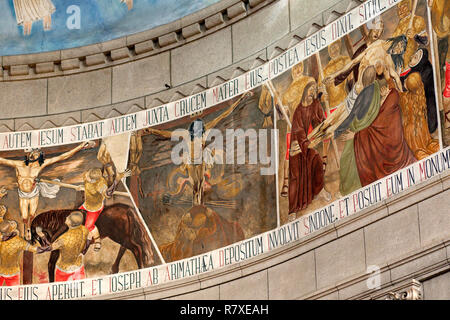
{"points": [[29, 11]]}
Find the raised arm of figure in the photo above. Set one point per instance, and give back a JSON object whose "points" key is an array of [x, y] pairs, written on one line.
{"points": [[67, 154], [227, 112], [9, 163], [162, 133]]}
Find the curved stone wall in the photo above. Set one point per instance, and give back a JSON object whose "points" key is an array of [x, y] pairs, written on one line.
{"points": [[400, 243]]}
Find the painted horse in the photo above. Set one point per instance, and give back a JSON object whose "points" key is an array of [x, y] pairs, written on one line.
{"points": [[119, 222]]}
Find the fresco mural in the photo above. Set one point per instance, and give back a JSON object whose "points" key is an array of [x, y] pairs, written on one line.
{"points": [[41, 188], [31, 26], [358, 111], [198, 206], [349, 117], [440, 17]]}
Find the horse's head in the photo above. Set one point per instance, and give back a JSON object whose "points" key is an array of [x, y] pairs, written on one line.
{"points": [[51, 223], [35, 238]]}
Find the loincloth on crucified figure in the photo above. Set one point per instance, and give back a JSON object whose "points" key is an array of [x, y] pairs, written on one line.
{"points": [[44, 189]]}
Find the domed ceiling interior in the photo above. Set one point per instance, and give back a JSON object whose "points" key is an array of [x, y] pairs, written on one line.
{"points": [[32, 26]]}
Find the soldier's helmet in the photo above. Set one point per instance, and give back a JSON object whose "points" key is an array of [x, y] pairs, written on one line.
{"points": [[75, 218], [7, 226], [95, 174]]}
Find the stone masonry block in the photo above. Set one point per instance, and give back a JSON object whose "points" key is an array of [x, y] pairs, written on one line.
{"points": [[70, 64], [45, 67], [434, 218], [340, 259], [191, 30], [141, 77], [259, 30], [350, 291], [23, 98], [437, 288], [254, 3], [214, 20], [392, 237], [20, 70], [119, 54], [302, 11], [293, 278], [409, 268], [79, 91], [31, 58], [167, 39], [236, 10], [212, 293], [201, 57], [255, 288], [143, 47], [95, 59]]}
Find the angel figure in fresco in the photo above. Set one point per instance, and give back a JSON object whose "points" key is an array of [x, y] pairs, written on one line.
{"points": [[29, 11], [129, 3], [197, 161], [27, 172]]}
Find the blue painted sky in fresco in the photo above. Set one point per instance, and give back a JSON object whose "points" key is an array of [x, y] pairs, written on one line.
{"points": [[101, 20]]}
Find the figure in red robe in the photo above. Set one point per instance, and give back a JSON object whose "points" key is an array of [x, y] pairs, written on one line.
{"points": [[375, 146], [381, 148], [306, 172]]}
